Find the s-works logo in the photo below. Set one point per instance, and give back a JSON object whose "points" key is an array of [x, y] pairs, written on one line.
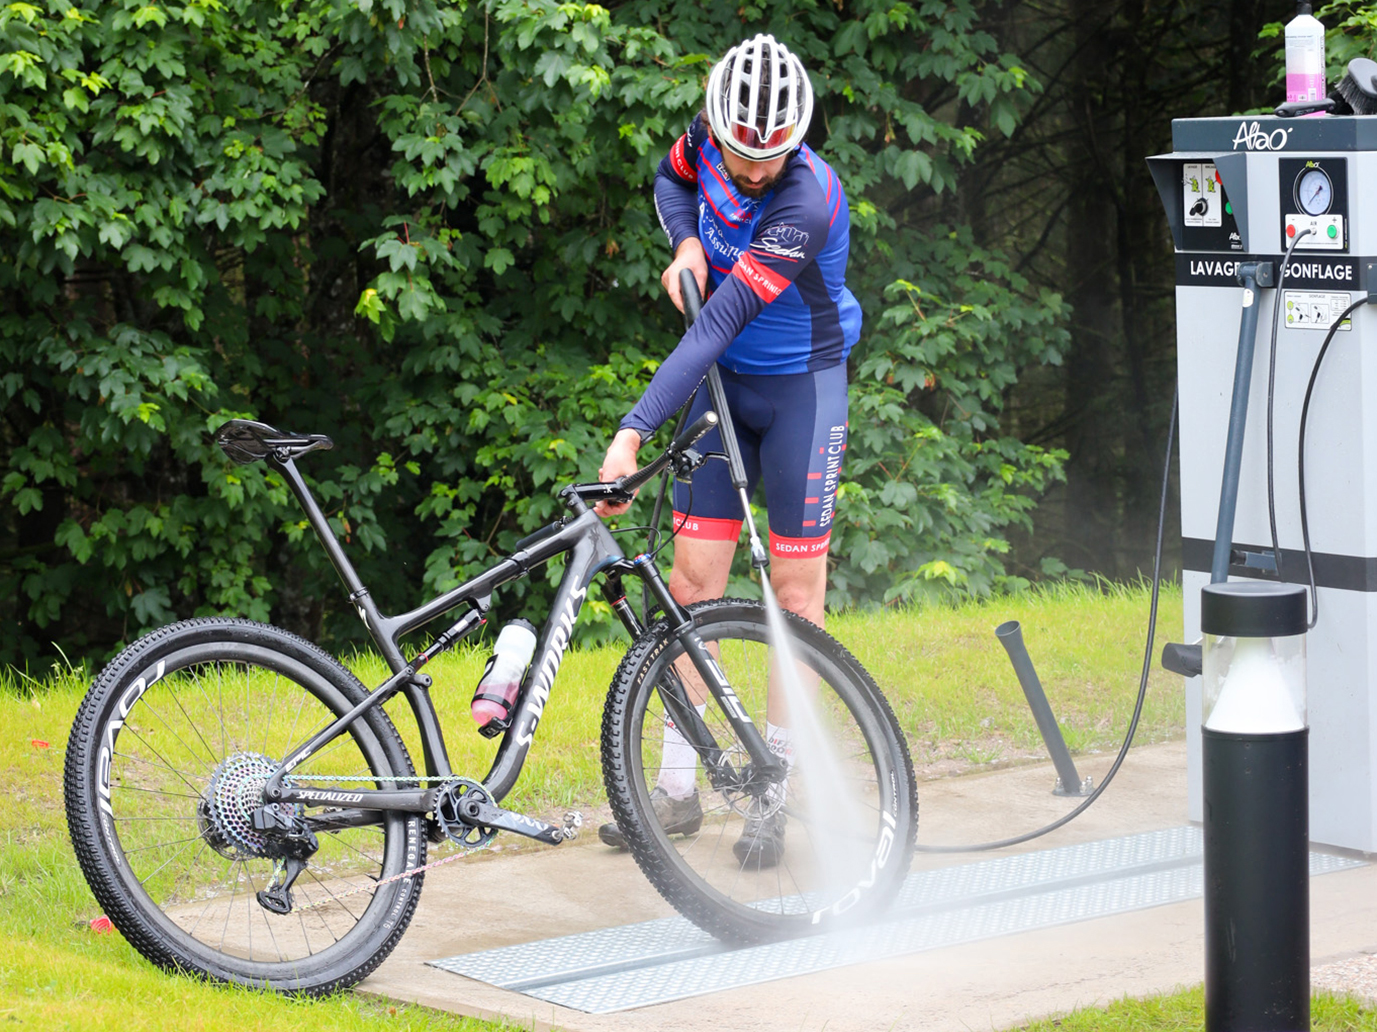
{"points": [[1253, 138]]}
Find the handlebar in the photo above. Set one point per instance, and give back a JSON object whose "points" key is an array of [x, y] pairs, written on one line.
{"points": [[623, 488], [707, 421]]}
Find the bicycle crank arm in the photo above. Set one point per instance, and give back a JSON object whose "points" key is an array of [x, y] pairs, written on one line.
{"points": [[484, 815]]}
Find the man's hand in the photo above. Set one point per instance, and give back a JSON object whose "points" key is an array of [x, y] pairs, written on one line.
{"points": [[690, 255], [620, 461]]}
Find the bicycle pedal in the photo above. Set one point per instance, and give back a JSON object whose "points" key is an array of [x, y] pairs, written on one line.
{"points": [[573, 823]]}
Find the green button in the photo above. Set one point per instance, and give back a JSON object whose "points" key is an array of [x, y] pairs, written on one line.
{"points": [[1228, 208], [1333, 232]]}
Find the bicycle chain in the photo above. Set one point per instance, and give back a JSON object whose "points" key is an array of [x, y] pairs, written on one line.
{"points": [[413, 871], [334, 896], [375, 777]]}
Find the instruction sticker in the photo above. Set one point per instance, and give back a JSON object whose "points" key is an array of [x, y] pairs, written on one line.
{"points": [[1204, 201], [1308, 310]]}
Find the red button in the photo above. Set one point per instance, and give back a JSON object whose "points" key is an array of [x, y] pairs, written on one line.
{"points": [[1291, 231]]}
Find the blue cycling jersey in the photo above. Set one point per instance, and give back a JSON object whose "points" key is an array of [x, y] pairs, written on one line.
{"points": [[777, 269]]}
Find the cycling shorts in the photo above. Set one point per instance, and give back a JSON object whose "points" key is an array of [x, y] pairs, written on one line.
{"points": [[792, 434]]}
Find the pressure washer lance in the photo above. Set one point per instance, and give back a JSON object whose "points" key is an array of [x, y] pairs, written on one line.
{"points": [[693, 305]]}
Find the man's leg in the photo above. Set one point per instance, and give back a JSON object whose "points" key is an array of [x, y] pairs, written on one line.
{"points": [[700, 572], [700, 569], [801, 585]]}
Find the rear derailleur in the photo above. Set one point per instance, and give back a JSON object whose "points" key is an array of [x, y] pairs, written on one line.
{"points": [[289, 842]]}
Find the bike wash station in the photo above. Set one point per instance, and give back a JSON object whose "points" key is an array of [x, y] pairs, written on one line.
{"points": [[1237, 193], [1277, 394]]}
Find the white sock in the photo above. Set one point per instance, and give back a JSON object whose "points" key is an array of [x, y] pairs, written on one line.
{"points": [[679, 763], [780, 741]]}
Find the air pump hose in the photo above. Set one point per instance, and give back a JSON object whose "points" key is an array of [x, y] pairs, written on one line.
{"points": [[1142, 680], [1300, 449], [1271, 398]]}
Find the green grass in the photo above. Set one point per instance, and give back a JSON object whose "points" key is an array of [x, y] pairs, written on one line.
{"points": [[942, 668], [953, 688], [1184, 1012]]}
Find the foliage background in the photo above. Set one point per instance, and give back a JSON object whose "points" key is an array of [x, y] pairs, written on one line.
{"points": [[426, 229]]}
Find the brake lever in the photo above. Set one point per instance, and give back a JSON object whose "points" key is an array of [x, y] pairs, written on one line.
{"points": [[685, 462]]}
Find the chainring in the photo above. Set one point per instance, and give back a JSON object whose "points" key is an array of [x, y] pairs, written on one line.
{"points": [[447, 814]]}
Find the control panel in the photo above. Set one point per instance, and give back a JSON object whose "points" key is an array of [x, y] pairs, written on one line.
{"points": [[1314, 196], [1207, 217]]}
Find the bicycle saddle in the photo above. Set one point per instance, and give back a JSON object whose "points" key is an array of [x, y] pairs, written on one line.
{"points": [[245, 441]]}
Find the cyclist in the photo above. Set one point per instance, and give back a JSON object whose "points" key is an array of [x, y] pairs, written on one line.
{"points": [[750, 209]]}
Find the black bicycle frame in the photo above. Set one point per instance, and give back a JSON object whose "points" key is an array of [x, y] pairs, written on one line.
{"points": [[592, 550]]}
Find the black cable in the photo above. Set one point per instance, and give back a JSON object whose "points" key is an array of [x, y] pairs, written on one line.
{"points": [[1300, 459], [1142, 680], [653, 535], [1271, 393], [688, 510]]}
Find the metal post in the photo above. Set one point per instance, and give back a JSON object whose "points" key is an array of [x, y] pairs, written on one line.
{"points": [[1251, 275], [1069, 782]]}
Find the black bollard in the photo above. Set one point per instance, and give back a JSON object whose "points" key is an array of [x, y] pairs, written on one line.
{"points": [[1254, 747]]}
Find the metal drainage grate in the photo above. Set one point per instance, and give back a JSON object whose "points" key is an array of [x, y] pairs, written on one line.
{"points": [[658, 961]]}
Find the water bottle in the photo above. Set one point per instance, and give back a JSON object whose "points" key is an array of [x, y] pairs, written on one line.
{"points": [[495, 696], [1304, 56]]}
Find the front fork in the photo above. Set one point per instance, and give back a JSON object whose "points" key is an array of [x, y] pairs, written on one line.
{"points": [[765, 767]]}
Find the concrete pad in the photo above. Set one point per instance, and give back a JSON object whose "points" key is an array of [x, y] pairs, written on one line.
{"points": [[501, 899]]}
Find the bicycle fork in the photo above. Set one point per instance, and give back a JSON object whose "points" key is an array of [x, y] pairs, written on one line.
{"points": [[765, 768]]}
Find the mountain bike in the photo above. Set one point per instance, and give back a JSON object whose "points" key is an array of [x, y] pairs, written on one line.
{"points": [[244, 808]]}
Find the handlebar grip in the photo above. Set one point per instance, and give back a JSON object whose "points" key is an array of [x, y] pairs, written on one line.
{"points": [[633, 481], [683, 442], [693, 300], [701, 426]]}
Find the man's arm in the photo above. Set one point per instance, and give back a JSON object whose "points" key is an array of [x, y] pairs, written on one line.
{"points": [[789, 237], [676, 188]]}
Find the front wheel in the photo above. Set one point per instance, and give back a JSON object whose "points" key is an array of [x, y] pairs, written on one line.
{"points": [[165, 770], [751, 863]]}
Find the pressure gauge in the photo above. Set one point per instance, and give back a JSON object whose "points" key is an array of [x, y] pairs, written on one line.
{"points": [[1314, 191]]}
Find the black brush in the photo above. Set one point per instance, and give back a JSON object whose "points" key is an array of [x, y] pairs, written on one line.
{"points": [[1358, 88]]}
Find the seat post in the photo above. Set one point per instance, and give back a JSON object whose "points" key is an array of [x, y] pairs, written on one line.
{"points": [[358, 594]]}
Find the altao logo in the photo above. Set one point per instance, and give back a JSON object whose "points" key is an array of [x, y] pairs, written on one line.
{"points": [[1253, 138]]}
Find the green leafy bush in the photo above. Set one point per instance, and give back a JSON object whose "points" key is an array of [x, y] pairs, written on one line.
{"points": [[426, 229]]}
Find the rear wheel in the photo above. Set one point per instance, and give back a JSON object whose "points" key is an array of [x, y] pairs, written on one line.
{"points": [[833, 843], [165, 768]]}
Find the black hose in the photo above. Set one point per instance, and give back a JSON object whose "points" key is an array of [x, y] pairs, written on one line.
{"points": [[1142, 680], [1300, 459], [1271, 394]]}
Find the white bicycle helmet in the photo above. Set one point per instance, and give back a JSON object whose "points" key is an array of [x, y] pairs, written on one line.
{"points": [[759, 100]]}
